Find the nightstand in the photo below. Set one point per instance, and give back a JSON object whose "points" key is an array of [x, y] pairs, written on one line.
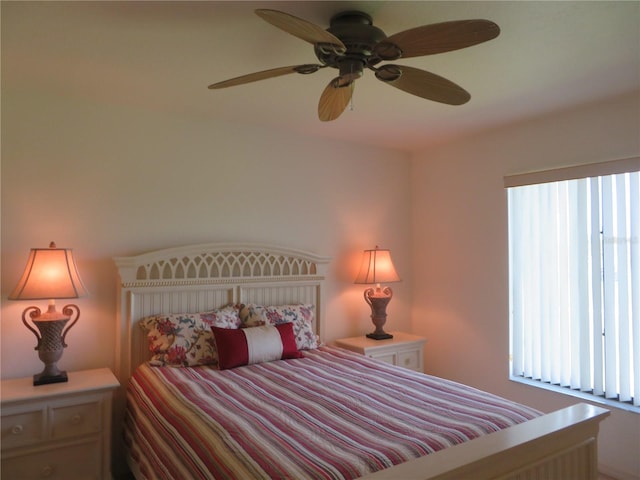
{"points": [[58, 431], [404, 350]]}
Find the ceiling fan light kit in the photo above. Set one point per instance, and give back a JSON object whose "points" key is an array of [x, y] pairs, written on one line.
{"points": [[352, 44]]}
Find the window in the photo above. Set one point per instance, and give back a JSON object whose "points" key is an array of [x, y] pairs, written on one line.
{"points": [[574, 283]]}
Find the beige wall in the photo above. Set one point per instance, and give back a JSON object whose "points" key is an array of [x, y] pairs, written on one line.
{"points": [[460, 250], [108, 181]]}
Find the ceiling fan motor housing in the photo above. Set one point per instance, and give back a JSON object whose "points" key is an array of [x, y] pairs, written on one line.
{"points": [[359, 35]]}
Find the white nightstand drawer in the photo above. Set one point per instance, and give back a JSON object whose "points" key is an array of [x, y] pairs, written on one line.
{"points": [[75, 420], [385, 357], [410, 359], [24, 428], [77, 462], [403, 350]]}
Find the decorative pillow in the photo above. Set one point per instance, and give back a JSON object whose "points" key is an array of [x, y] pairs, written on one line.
{"points": [[254, 345], [185, 339], [250, 316], [301, 316]]}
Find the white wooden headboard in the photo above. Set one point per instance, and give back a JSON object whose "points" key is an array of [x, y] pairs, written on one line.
{"points": [[202, 277]]}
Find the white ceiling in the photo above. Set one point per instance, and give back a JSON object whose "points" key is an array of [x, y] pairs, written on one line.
{"points": [[162, 55]]}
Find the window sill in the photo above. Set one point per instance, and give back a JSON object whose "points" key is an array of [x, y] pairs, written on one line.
{"points": [[576, 393]]}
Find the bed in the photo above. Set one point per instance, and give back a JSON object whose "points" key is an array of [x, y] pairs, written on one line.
{"points": [[313, 410]]}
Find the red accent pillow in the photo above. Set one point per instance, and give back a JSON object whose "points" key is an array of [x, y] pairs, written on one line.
{"points": [[245, 346]]}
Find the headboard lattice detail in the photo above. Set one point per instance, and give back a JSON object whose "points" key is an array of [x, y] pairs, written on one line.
{"points": [[226, 265], [218, 264]]}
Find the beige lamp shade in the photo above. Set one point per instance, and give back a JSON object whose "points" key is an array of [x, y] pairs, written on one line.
{"points": [[50, 273], [377, 267]]}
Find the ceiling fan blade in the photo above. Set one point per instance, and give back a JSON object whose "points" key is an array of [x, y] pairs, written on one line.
{"points": [[436, 38], [263, 75], [423, 84], [334, 99], [301, 28]]}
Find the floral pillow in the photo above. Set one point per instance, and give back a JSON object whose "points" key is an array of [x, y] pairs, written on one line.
{"points": [[301, 316], [185, 339], [250, 316]]}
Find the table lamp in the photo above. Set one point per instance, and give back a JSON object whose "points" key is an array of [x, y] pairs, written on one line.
{"points": [[51, 274], [377, 267]]}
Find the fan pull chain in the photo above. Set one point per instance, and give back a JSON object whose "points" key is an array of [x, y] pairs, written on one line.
{"points": [[352, 87]]}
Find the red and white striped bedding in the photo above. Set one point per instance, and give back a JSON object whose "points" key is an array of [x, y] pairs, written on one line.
{"points": [[330, 415]]}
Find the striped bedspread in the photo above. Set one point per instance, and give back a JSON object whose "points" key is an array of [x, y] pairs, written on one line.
{"points": [[330, 415]]}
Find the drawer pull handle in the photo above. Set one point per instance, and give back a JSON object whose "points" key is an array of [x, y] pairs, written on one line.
{"points": [[17, 429], [46, 471], [76, 419]]}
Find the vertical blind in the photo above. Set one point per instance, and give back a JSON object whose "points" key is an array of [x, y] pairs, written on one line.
{"points": [[574, 275]]}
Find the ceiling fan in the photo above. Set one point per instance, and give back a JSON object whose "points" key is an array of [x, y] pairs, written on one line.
{"points": [[352, 43]]}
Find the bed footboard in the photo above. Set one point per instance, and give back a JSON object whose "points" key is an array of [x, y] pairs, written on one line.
{"points": [[561, 445]]}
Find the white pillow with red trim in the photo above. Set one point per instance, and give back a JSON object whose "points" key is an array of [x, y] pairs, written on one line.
{"points": [[245, 346]]}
